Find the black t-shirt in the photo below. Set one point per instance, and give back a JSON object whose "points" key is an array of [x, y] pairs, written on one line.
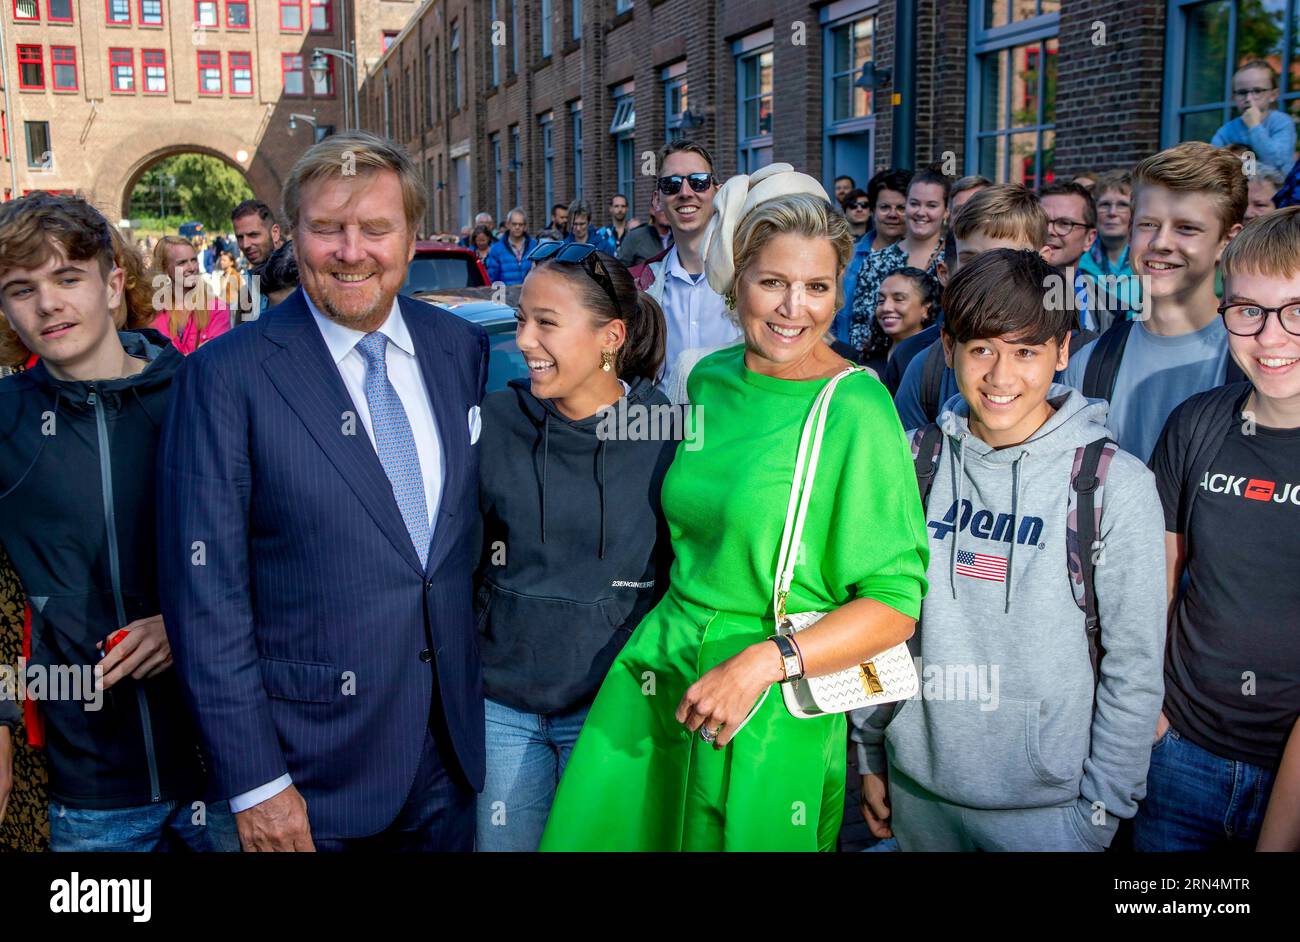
{"points": [[1232, 673]]}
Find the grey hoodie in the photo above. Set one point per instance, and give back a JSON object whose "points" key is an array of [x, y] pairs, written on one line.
{"points": [[1024, 733]]}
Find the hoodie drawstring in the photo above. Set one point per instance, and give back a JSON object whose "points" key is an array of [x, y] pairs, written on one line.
{"points": [[956, 529], [546, 451], [1015, 520]]}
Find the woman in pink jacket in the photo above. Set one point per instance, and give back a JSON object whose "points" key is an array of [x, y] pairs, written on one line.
{"points": [[189, 312]]}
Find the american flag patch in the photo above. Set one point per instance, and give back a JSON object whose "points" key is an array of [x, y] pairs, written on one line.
{"points": [[981, 566]]}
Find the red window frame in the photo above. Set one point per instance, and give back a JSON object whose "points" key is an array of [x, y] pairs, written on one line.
{"points": [[144, 70], [286, 4], [4, 134], [115, 60], [162, 16], [333, 91], [28, 19], [328, 7], [199, 57], [285, 70], [247, 63], [108, 14], [69, 57], [248, 14], [216, 14], [25, 53], [51, 18]]}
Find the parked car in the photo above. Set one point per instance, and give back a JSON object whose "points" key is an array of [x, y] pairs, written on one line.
{"points": [[443, 266], [191, 229], [493, 309]]}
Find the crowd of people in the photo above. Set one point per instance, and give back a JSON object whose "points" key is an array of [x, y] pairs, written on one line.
{"points": [[338, 598]]}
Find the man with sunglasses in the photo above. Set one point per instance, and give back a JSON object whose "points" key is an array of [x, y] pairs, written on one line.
{"points": [[695, 314], [1227, 468]]}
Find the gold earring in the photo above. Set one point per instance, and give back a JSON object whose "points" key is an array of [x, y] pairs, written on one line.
{"points": [[606, 360]]}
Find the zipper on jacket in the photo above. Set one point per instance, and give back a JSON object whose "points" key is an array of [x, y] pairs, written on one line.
{"points": [[115, 574]]}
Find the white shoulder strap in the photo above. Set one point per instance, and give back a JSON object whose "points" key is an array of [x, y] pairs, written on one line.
{"points": [[801, 486]]}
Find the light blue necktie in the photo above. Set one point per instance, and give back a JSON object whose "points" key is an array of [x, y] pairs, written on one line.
{"points": [[395, 442]]}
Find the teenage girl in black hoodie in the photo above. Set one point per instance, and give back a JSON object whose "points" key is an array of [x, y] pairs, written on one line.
{"points": [[575, 549]]}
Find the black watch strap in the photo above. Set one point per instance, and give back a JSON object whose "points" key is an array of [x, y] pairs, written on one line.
{"points": [[790, 660]]}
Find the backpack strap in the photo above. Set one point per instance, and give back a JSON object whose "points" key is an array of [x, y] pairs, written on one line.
{"points": [[1079, 338], [932, 380], [927, 443], [1233, 374], [1103, 363], [1207, 417], [1083, 530]]}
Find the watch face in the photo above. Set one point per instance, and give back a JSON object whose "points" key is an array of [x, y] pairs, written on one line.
{"points": [[791, 666]]}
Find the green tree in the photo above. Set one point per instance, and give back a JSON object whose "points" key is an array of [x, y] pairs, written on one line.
{"points": [[205, 189]]}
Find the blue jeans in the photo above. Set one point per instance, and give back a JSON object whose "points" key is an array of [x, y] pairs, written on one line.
{"points": [[162, 826], [526, 755], [1197, 801]]}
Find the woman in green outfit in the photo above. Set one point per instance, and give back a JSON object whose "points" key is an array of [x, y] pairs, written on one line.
{"points": [[659, 764]]}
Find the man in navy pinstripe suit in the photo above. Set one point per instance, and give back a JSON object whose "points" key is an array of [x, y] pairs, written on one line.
{"points": [[318, 477]]}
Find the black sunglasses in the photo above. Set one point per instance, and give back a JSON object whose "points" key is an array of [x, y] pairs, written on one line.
{"points": [[671, 185], [578, 253], [859, 204]]}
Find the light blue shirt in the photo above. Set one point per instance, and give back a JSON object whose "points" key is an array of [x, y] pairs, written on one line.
{"points": [[404, 373], [1272, 140], [696, 315]]}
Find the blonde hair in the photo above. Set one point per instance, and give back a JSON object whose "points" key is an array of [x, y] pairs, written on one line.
{"points": [[1003, 211], [1197, 167], [197, 301], [799, 214], [1117, 181], [1268, 245], [357, 152]]}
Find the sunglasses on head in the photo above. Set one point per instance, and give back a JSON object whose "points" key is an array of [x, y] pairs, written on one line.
{"points": [[578, 253], [672, 185]]}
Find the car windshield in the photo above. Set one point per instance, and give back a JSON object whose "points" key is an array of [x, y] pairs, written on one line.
{"points": [[438, 273], [505, 362]]}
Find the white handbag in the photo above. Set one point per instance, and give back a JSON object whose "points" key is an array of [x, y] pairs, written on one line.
{"points": [[888, 676]]}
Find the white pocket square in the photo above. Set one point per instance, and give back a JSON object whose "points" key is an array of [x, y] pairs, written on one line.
{"points": [[475, 424]]}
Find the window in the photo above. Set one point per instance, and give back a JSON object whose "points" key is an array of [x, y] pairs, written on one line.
{"points": [[848, 123], [389, 36], [547, 14], [291, 16], [241, 73], [31, 68], [622, 128], [39, 155], [119, 11], [27, 10], [121, 69], [4, 137], [514, 33], [575, 20], [205, 13], [292, 72], [754, 97], [494, 55], [154, 64], [209, 73], [495, 141], [63, 63], [460, 168], [516, 166], [1011, 91], [59, 11], [323, 87], [237, 14], [151, 13], [575, 121], [455, 66], [1206, 43], [622, 6], [408, 94], [674, 77], [322, 16], [548, 162], [428, 85]]}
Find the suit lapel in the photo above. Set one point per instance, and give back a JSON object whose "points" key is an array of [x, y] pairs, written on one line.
{"points": [[444, 378], [305, 375]]}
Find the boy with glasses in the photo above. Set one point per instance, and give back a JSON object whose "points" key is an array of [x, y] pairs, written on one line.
{"points": [[695, 314], [1266, 131], [1228, 462]]}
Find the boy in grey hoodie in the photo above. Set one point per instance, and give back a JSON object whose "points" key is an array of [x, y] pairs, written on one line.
{"points": [[1008, 746]]}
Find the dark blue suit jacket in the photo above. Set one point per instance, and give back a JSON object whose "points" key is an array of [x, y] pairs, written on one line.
{"points": [[307, 635]]}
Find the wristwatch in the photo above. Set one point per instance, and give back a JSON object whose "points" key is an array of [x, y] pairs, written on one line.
{"points": [[791, 662]]}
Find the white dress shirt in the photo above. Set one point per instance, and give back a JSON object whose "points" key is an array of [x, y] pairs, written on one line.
{"points": [[695, 314], [404, 374]]}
